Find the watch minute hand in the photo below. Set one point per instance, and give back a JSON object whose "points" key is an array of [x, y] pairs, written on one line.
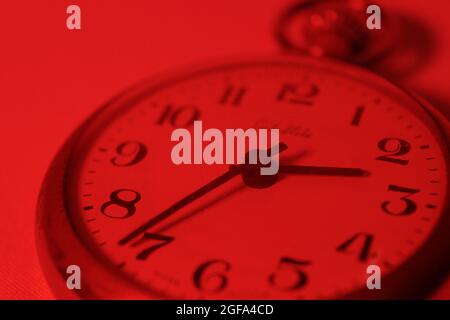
{"points": [[231, 173], [181, 203]]}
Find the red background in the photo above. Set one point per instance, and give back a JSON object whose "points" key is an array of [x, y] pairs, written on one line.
{"points": [[52, 78]]}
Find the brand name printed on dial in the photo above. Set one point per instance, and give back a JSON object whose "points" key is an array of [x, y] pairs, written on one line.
{"points": [[227, 148]]}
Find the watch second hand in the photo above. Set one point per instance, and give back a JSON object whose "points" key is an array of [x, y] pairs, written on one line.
{"points": [[231, 173]]}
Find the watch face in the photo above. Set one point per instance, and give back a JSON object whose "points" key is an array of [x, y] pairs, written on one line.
{"points": [[373, 192]]}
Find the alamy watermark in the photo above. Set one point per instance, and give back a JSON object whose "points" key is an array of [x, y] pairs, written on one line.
{"points": [[263, 147]]}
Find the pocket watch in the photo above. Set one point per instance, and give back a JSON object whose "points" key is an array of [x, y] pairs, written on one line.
{"points": [[363, 181]]}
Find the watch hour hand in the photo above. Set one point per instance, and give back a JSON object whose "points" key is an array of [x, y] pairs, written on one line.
{"points": [[323, 171]]}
